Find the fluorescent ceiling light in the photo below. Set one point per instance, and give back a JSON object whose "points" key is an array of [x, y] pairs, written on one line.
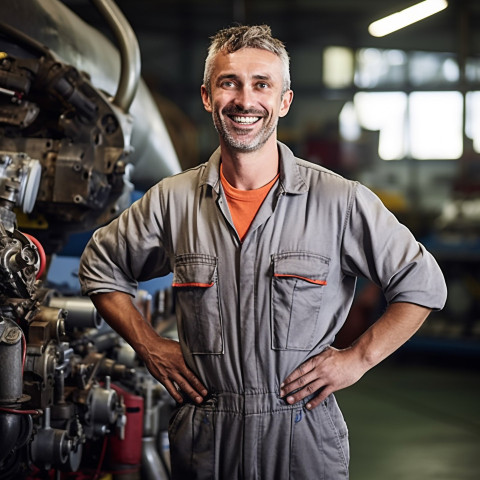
{"points": [[406, 17]]}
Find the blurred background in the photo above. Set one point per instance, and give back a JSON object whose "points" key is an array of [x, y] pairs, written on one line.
{"points": [[401, 114]]}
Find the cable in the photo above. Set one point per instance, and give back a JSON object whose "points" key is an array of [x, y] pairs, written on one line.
{"points": [[41, 251], [22, 412], [102, 457], [24, 353]]}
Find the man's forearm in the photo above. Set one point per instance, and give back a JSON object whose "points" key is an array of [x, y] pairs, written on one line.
{"points": [[118, 310], [163, 357], [335, 369], [398, 324]]}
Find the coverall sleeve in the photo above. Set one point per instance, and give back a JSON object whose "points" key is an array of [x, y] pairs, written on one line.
{"points": [[377, 246], [129, 249]]}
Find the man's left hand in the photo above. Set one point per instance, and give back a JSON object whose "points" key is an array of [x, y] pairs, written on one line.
{"points": [[324, 373]]}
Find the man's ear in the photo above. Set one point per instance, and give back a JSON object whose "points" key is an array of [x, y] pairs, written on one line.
{"points": [[286, 102], [207, 104]]}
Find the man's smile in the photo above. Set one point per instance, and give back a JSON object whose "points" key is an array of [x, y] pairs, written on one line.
{"points": [[244, 120], [244, 129]]}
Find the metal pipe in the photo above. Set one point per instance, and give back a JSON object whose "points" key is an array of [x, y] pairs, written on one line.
{"points": [[11, 374], [81, 312], [152, 465], [24, 39], [129, 53]]}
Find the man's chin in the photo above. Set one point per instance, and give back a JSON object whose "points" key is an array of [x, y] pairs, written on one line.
{"points": [[244, 147], [239, 145]]}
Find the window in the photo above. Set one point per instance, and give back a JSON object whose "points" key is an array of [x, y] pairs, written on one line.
{"points": [[380, 68], [435, 125], [414, 120], [427, 69], [423, 125], [385, 112], [472, 127], [338, 67], [472, 70]]}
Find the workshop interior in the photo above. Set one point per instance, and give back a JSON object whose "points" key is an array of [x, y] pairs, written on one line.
{"points": [[99, 100]]}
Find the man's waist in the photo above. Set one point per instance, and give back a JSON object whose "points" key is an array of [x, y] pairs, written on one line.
{"points": [[248, 403]]}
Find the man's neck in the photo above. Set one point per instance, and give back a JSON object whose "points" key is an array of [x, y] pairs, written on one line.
{"points": [[250, 170]]}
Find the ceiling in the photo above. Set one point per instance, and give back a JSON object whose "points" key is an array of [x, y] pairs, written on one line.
{"points": [[342, 22]]}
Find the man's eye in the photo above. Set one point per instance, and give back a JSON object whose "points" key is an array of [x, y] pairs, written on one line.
{"points": [[227, 84], [262, 85]]}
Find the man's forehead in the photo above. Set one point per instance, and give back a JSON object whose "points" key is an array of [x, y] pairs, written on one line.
{"points": [[254, 60]]}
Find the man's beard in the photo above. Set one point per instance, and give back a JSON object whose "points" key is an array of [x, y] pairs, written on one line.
{"points": [[234, 140]]}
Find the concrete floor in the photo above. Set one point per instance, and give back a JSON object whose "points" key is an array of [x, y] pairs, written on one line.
{"points": [[414, 421]]}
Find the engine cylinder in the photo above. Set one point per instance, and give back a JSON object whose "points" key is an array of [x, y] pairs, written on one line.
{"points": [[11, 375]]}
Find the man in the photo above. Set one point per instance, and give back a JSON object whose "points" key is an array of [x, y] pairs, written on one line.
{"points": [[264, 249]]}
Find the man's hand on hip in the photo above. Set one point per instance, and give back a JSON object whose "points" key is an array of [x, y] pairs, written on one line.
{"points": [[324, 373], [167, 365]]}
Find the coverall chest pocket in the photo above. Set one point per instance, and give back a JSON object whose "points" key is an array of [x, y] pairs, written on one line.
{"points": [[298, 282], [196, 287]]}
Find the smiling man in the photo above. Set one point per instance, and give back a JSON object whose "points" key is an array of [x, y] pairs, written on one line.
{"points": [[265, 249]]}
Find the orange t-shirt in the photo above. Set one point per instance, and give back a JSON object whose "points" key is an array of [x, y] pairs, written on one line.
{"points": [[244, 204]]}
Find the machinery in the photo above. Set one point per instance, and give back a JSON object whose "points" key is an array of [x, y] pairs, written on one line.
{"points": [[73, 396]]}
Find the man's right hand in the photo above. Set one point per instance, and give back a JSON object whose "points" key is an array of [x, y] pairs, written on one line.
{"points": [[163, 357], [166, 363]]}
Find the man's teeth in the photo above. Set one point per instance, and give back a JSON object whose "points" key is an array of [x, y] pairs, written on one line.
{"points": [[246, 120]]}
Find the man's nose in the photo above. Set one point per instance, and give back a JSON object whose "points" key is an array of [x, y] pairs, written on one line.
{"points": [[245, 98]]}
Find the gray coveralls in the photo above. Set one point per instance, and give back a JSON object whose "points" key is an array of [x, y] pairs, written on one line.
{"points": [[250, 313]]}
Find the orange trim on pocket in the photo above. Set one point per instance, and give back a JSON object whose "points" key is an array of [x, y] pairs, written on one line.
{"points": [[193, 284], [310, 280]]}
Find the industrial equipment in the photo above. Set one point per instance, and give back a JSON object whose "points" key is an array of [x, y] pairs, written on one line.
{"points": [[73, 395]]}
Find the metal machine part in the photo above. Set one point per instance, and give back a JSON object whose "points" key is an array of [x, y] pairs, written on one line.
{"points": [[19, 263], [11, 386], [81, 312], [55, 447], [76, 43], [67, 150], [19, 180], [55, 391], [129, 53], [155, 464], [80, 139]]}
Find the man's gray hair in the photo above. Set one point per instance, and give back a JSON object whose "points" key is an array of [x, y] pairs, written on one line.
{"points": [[231, 39]]}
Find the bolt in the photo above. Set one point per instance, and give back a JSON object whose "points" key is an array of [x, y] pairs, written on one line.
{"points": [[12, 335]]}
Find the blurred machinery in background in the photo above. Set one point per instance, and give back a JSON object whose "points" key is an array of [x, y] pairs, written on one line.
{"points": [[72, 395]]}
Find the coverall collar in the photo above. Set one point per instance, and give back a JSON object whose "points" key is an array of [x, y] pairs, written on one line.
{"points": [[291, 179]]}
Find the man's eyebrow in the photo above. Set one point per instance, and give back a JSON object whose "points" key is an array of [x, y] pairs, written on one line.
{"points": [[227, 76], [262, 77], [233, 76]]}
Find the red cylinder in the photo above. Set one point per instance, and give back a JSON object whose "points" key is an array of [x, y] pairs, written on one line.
{"points": [[129, 450]]}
